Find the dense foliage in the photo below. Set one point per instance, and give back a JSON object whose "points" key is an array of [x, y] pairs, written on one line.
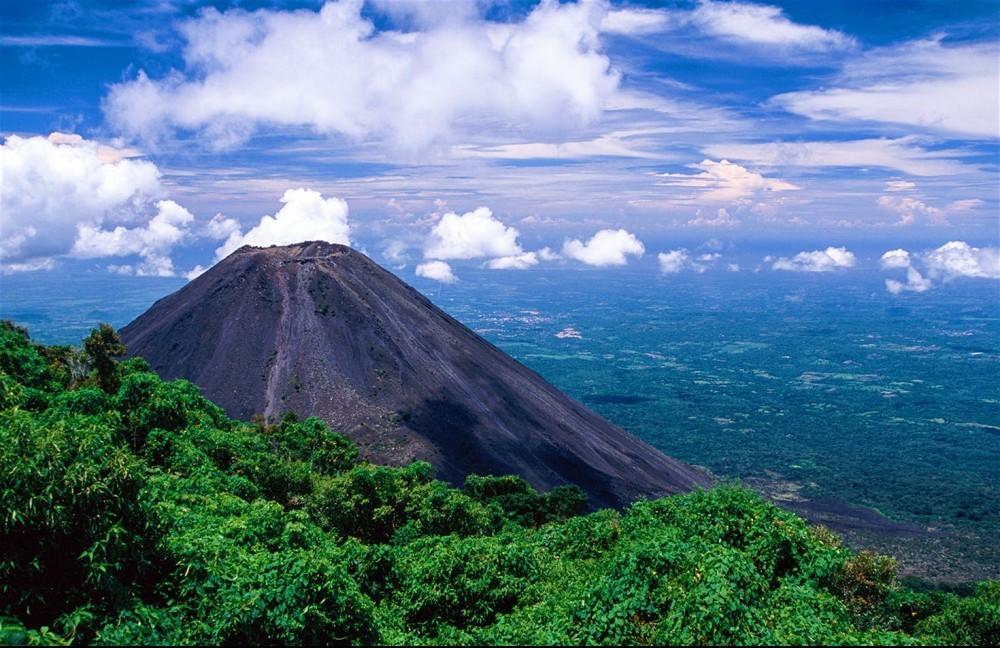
{"points": [[135, 512]]}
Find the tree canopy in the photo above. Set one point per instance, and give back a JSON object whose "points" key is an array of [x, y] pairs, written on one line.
{"points": [[134, 511]]}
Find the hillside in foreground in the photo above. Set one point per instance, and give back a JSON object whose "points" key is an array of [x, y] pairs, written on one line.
{"points": [[136, 512]]}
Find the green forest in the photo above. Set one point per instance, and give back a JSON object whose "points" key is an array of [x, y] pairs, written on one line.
{"points": [[134, 511]]}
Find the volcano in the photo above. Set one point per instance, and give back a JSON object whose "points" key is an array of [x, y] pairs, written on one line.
{"points": [[321, 330]]}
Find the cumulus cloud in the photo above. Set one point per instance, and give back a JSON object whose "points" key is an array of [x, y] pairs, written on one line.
{"points": [[306, 216], [472, 235], [333, 72], [953, 260], [436, 270], [959, 259], [475, 235], [396, 251], [828, 260], [912, 210], [152, 242], [951, 88], [725, 181], [548, 254], [220, 227], [50, 185], [900, 259], [915, 282], [895, 259], [606, 248], [673, 261], [65, 196]]}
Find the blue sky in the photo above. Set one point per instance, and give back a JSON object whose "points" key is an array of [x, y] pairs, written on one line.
{"points": [[155, 137]]}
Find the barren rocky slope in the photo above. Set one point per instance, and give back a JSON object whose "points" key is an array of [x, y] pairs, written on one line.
{"points": [[322, 330]]}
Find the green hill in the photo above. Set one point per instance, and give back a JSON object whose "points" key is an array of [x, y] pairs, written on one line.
{"points": [[134, 511]]}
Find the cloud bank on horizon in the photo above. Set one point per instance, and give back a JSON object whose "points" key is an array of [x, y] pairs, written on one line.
{"points": [[507, 135]]}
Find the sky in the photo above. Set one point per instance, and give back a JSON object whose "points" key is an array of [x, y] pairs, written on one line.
{"points": [[157, 136]]}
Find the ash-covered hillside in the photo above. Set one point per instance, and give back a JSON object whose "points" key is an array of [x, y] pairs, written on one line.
{"points": [[320, 329]]}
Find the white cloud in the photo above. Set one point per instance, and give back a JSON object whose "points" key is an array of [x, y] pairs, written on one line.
{"points": [[31, 265], [923, 84], [910, 208], [903, 154], [152, 242], [106, 154], [473, 235], [764, 25], [195, 272], [332, 72], [396, 251], [739, 25], [964, 205], [673, 261], [306, 216], [221, 227], [959, 259], [67, 196], [915, 282], [899, 185], [895, 259], [58, 41], [899, 259], [637, 21], [548, 254], [519, 262], [436, 270], [724, 181], [606, 248], [827, 260], [610, 145], [952, 260]]}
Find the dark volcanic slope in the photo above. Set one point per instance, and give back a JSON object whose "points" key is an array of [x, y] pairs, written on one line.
{"points": [[322, 330]]}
